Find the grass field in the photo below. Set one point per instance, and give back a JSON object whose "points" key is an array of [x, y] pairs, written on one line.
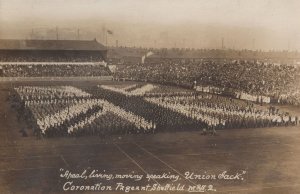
{"points": [[270, 156]]}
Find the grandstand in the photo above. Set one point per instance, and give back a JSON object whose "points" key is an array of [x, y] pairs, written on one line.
{"points": [[51, 50], [52, 58]]}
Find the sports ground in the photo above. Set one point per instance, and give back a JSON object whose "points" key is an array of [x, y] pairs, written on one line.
{"points": [[269, 157]]}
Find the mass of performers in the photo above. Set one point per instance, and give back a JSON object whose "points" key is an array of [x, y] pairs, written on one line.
{"points": [[66, 110], [99, 110], [221, 112]]}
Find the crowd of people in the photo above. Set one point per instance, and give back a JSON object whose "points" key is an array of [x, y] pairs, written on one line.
{"points": [[164, 119], [54, 70], [210, 111], [220, 112], [250, 77], [132, 90], [70, 111], [65, 110], [121, 55], [49, 92], [47, 58]]}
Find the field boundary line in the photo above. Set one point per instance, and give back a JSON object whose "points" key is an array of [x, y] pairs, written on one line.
{"points": [[64, 160], [135, 162], [156, 157]]}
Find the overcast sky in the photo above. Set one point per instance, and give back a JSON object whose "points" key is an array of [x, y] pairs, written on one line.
{"points": [[252, 24]]}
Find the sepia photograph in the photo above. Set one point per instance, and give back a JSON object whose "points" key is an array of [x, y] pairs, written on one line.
{"points": [[149, 96]]}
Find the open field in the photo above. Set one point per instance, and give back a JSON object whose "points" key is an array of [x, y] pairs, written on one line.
{"points": [[270, 156]]}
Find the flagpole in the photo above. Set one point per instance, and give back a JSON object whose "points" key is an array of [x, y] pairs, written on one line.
{"points": [[106, 36]]}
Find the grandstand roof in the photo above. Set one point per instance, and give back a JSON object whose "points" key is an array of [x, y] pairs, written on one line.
{"points": [[12, 44]]}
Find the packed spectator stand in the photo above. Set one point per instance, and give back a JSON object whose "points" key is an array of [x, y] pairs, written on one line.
{"points": [[132, 55], [61, 58], [49, 67], [55, 70], [261, 79], [52, 58]]}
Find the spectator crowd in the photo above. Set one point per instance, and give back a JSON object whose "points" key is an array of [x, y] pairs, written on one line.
{"points": [[49, 58], [280, 82], [54, 70]]}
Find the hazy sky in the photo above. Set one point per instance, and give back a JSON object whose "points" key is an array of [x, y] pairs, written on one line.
{"points": [[252, 24]]}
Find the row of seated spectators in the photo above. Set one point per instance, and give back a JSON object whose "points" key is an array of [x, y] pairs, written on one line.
{"points": [[52, 70], [42, 58], [249, 76], [199, 53], [228, 54]]}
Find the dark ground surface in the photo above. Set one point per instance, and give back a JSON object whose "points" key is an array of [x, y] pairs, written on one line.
{"points": [[270, 157]]}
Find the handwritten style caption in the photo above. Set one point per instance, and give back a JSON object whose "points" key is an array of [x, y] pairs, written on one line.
{"points": [[101, 180]]}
